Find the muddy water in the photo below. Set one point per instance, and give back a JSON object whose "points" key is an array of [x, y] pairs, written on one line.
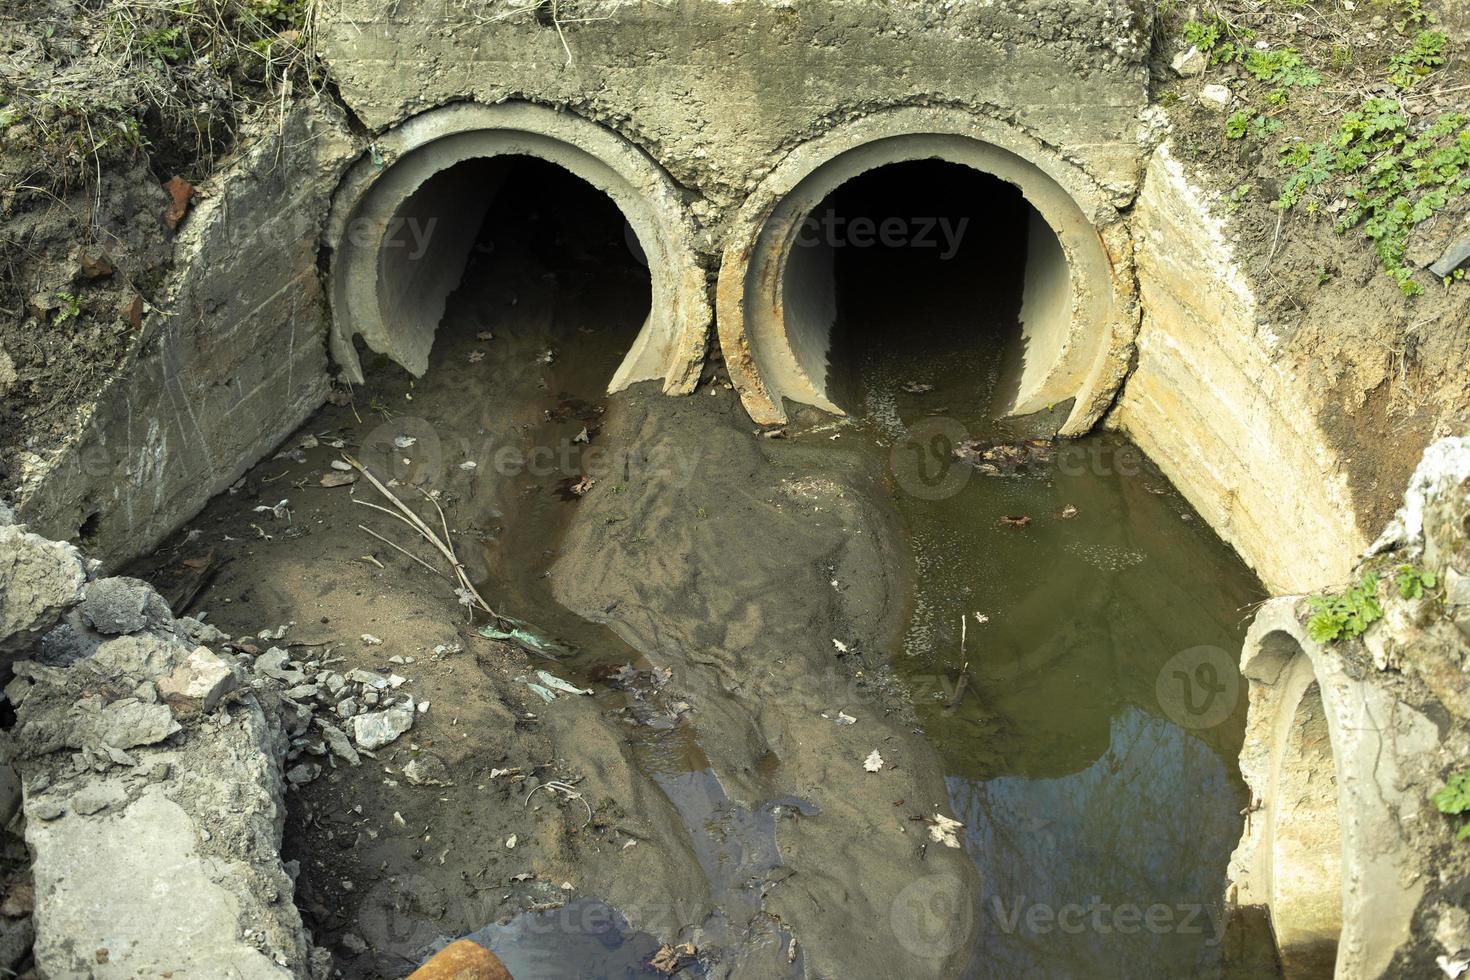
{"points": [[1087, 713], [1071, 647]]}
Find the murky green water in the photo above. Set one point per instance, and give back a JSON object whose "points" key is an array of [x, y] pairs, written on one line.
{"points": [[1074, 632], [1072, 644]]}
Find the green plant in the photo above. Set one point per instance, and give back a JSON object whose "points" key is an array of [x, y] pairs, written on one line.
{"points": [[71, 307], [1345, 616], [1397, 177], [1282, 67], [1414, 582], [1238, 125], [1424, 55], [1218, 39], [1454, 801]]}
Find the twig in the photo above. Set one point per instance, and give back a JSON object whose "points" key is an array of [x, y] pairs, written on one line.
{"points": [[466, 592], [403, 551]]}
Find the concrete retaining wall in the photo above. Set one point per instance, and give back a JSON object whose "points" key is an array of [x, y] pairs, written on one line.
{"points": [[233, 355]]}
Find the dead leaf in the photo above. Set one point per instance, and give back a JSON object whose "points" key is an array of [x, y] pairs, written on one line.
{"points": [[337, 478], [918, 388], [476, 356], [1012, 520], [873, 762], [1067, 513], [582, 486]]}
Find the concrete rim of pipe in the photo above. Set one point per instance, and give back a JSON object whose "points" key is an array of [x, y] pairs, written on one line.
{"points": [[1325, 853], [393, 298], [1080, 312]]}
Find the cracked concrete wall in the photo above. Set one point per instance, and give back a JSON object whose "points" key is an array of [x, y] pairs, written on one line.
{"points": [[233, 355]]}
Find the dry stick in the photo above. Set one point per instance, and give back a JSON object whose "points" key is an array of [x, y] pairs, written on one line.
{"points": [[403, 551], [444, 546]]}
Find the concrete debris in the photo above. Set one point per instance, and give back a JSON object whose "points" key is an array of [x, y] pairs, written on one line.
{"points": [[202, 677], [338, 742], [150, 781], [275, 663], [379, 728], [39, 580], [123, 605]]}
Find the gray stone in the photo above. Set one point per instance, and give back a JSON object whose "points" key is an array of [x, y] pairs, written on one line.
{"points": [[379, 728], [110, 884], [303, 774], [1190, 63], [39, 581], [123, 605], [68, 642], [1215, 96], [275, 663], [197, 632], [16, 938], [1456, 588], [426, 770], [346, 708], [338, 742]]}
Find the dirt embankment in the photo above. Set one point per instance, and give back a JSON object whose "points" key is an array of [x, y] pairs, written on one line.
{"points": [[1314, 124]]}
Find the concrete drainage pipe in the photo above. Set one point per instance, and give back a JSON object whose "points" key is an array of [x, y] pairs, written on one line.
{"points": [[406, 215], [1324, 848], [776, 305]]}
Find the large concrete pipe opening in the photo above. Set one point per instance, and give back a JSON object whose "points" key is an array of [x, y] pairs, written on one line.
{"points": [[778, 295], [1326, 849], [919, 266], [407, 214]]}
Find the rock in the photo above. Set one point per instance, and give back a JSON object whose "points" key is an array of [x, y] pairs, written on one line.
{"points": [[9, 793], [8, 378], [1456, 588], [367, 679], [202, 677], [426, 770], [1191, 63], [346, 708], [338, 742], [39, 581], [463, 959], [379, 728], [353, 943], [275, 663], [303, 774], [1215, 96], [180, 193], [198, 632], [68, 642], [123, 605], [45, 810], [91, 266]]}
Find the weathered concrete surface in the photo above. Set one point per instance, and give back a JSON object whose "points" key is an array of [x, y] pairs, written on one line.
{"points": [[716, 91], [407, 214], [1227, 420], [776, 303], [153, 805], [232, 356], [1345, 744]]}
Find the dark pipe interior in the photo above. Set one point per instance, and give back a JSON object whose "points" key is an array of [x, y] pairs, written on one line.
{"points": [[935, 300]]}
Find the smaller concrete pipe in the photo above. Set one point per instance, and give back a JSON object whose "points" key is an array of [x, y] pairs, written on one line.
{"points": [[776, 304], [406, 215], [1325, 849]]}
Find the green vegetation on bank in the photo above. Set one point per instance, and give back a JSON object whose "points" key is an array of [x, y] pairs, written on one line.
{"points": [[1384, 170]]}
